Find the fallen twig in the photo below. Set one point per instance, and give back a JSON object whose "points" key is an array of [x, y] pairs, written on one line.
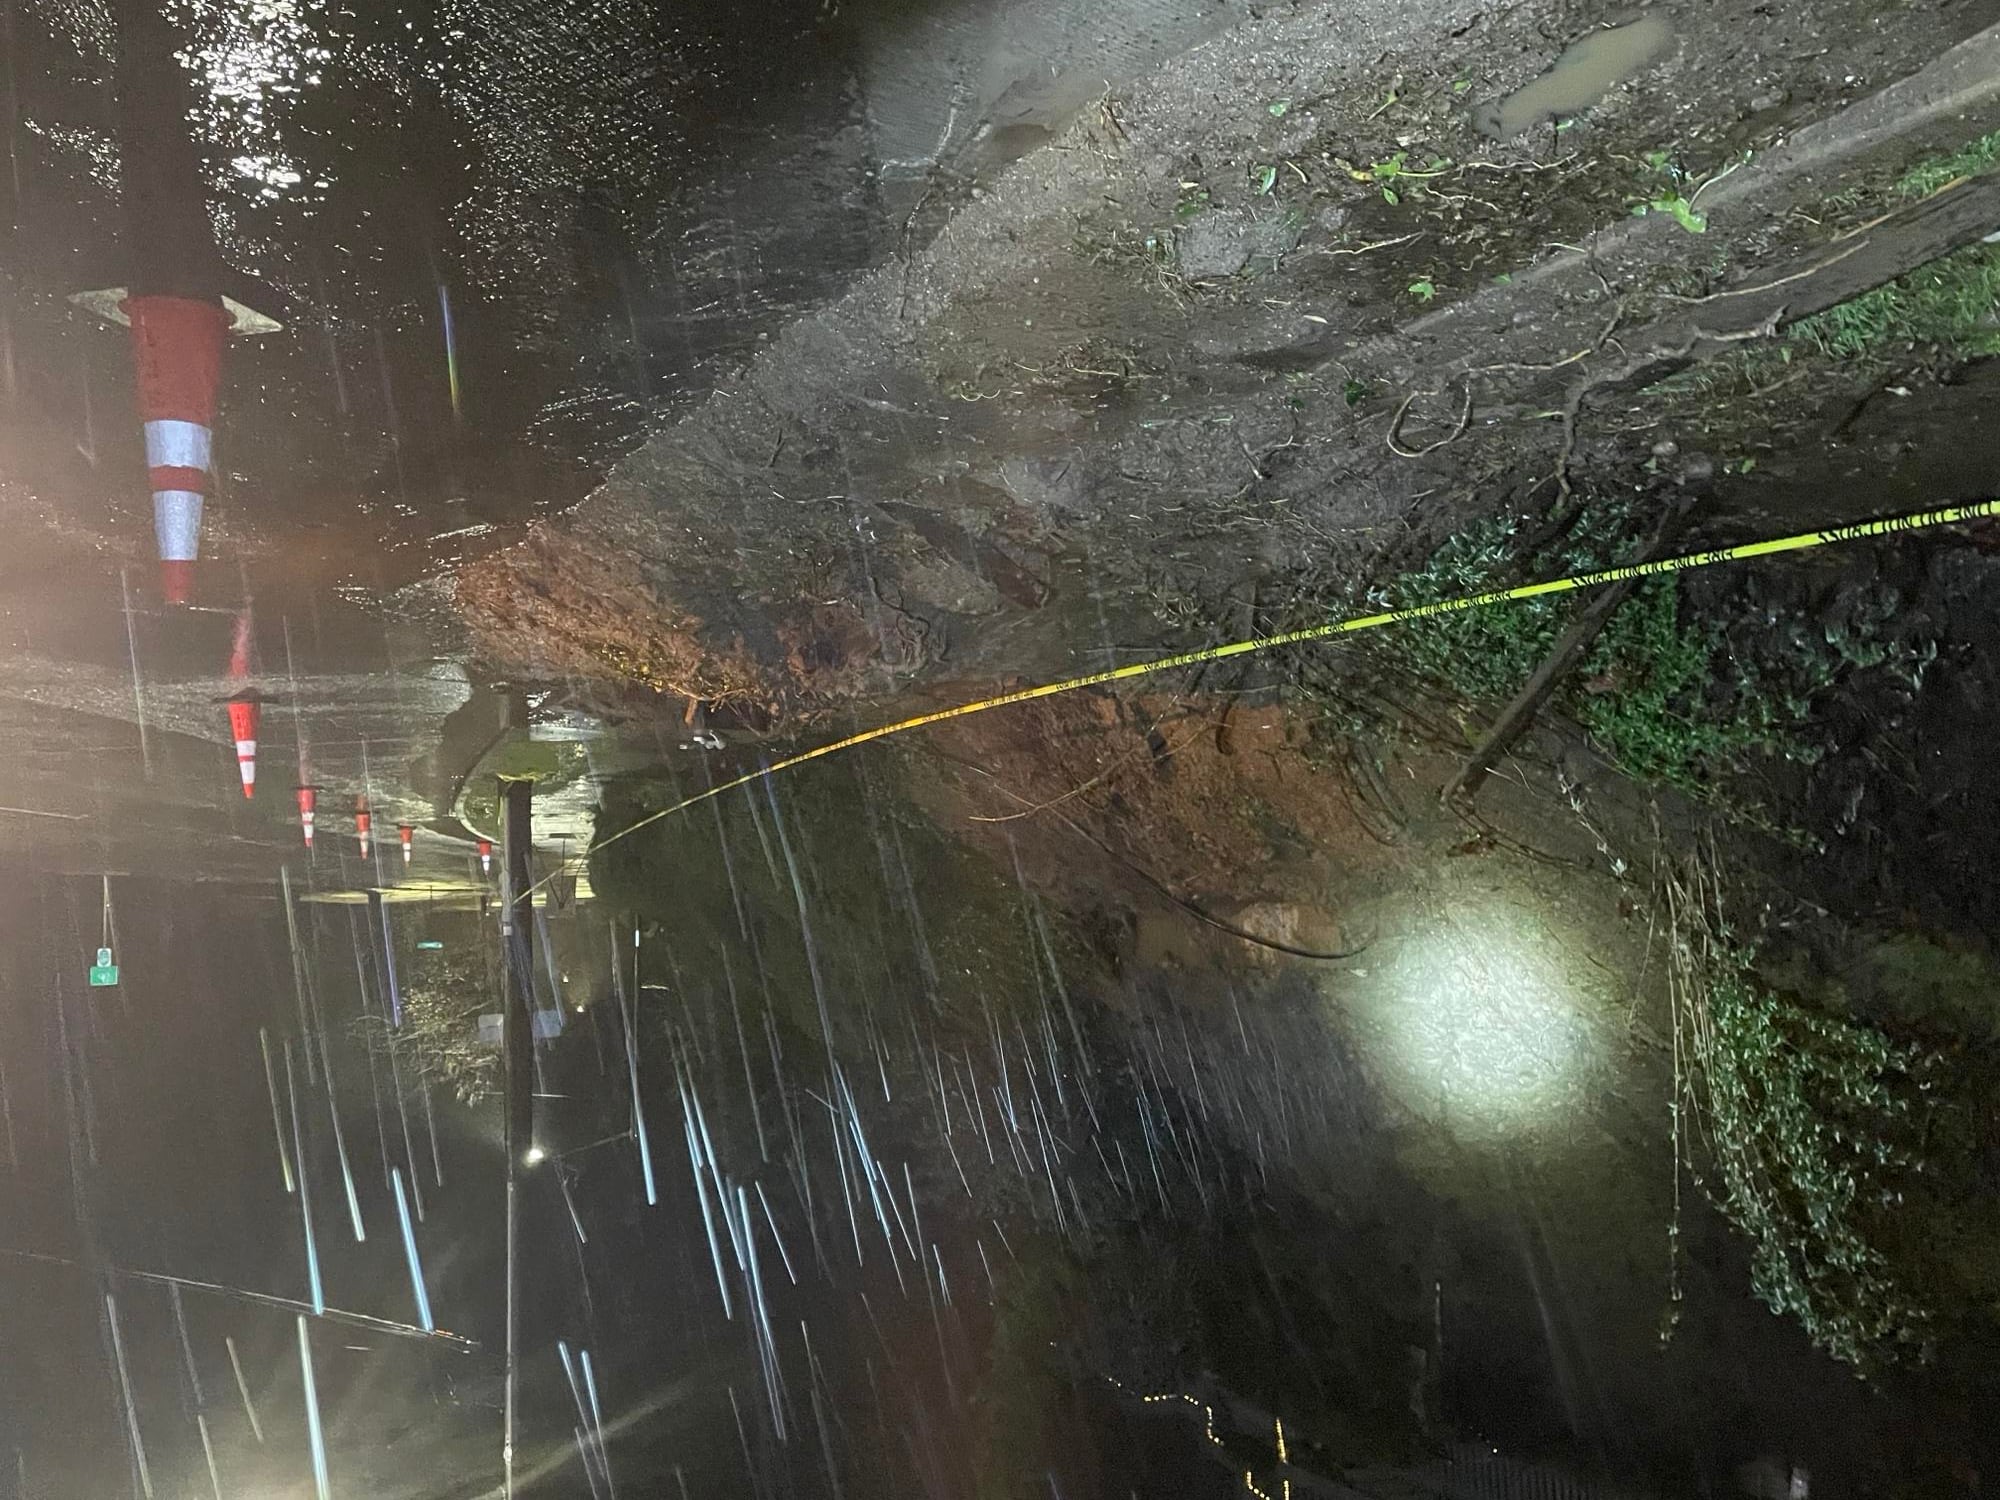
{"points": [[1542, 682], [1378, 245]]}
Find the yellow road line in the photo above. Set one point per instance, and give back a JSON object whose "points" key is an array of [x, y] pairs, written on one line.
{"points": [[1802, 541]]}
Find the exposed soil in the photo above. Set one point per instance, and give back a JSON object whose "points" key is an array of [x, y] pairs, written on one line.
{"points": [[1138, 368], [1536, 1198], [1228, 348]]}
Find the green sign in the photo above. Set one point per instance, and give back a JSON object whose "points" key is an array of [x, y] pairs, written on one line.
{"points": [[104, 972]]}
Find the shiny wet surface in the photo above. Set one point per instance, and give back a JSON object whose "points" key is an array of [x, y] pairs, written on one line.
{"points": [[501, 245], [500, 242], [958, 1126]]}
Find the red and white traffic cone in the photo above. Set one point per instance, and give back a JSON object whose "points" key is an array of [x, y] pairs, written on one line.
{"points": [[177, 349], [486, 856], [364, 824], [243, 716], [408, 835], [308, 804]]}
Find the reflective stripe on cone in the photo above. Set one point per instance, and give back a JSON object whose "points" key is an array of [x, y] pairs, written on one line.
{"points": [[243, 716], [177, 356], [177, 528]]}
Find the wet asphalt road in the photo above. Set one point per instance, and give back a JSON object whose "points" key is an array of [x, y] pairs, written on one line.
{"points": [[502, 239], [615, 212]]}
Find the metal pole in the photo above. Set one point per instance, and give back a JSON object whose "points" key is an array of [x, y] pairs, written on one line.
{"points": [[138, 692], [517, 1044]]}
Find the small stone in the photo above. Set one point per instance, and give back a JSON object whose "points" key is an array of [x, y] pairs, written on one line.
{"points": [[1213, 246], [1666, 448], [1766, 102], [1223, 242]]}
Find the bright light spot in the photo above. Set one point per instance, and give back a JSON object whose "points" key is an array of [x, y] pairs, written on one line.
{"points": [[1476, 1013], [535, 1155], [273, 171]]}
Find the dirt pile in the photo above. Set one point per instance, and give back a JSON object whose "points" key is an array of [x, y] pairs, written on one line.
{"points": [[1203, 830], [1254, 321]]}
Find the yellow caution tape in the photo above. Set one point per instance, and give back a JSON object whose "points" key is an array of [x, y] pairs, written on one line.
{"points": [[1919, 521]]}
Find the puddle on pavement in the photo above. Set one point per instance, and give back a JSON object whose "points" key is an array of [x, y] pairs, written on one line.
{"points": [[1586, 71]]}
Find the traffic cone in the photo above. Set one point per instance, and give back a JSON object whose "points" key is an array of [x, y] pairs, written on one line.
{"points": [[308, 804], [177, 350], [243, 716], [407, 834], [486, 856], [364, 823]]}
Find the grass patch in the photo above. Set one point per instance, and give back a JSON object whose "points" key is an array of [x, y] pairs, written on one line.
{"points": [[1193, 199], [1926, 983], [1926, 177], [1809, 1118], [1950, 302], [1661, 693], [443, 994], [1907, 980]]}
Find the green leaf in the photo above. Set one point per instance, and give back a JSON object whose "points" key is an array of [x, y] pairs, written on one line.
{"points": [[1423, 290], [1267, 177], [1391, 196], [1682, 212], [1279, 108]]}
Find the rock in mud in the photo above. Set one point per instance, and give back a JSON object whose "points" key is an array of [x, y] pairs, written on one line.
{"points": [[1228, 241]]}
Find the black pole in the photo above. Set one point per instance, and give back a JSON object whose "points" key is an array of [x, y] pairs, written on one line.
{"points": [[517, 1045], [171, 244]]}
